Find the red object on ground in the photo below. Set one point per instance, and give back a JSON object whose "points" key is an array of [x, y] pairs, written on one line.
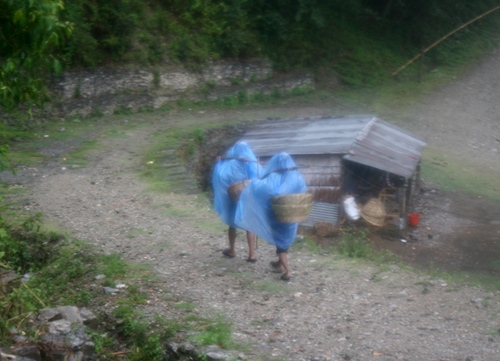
{"points": [[413, 219]]}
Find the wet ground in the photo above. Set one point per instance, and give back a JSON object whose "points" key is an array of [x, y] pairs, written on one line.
{"points": [[456, 232]]}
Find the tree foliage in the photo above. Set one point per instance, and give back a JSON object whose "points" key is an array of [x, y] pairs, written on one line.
{"points": [[357, 37], [30, 31], [292, 33]]}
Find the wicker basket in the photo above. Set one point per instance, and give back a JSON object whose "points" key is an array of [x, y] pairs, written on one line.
{"points": [[292, 208], [374, 212], [235, 190]]}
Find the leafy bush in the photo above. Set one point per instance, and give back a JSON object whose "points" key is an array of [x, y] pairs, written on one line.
{"points": [[354, 244], [31, 32], [217, 332], [25, 248]]}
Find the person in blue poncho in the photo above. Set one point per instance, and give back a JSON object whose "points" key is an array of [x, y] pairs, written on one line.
{"points": [[239, 164], [254, 211]]}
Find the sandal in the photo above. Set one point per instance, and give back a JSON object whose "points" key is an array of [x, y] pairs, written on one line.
{"points": [[252, 260], [276, 267], [227, 254], [284, 277]]}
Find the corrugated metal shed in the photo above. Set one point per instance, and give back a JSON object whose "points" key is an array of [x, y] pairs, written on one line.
{"points": [[364, 139]]}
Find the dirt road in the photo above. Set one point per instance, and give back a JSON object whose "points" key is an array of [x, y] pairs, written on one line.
{"points": [[333, 309]]}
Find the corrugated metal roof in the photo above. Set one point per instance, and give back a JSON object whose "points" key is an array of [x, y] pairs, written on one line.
{"points": [[364, 139]]}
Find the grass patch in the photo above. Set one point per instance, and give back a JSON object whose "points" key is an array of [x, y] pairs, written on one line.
{"points": [[458, 279], [80, 155], [112, 266], [163, 162], [215, 332], [7, 188], [354, 244], [186, 306], [68, 277], [136, 232], [452, 173], [213, 226], [28, 158], [491, 283], [270, 286]]}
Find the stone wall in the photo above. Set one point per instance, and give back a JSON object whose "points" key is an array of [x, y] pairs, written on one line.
{"points": [[106, 90]]}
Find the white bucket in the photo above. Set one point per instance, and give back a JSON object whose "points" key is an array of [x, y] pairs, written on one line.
{"points": [[351, 208]]}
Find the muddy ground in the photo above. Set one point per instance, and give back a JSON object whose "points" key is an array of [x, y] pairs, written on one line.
{"points": [[333, 308]]}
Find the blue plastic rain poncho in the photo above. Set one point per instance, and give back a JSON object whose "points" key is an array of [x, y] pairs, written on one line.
{"points": [[254, 212], [240, 163]]}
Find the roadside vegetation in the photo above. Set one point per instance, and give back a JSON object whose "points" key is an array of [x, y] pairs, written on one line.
{"points": [[361, 42], [48, 269]]}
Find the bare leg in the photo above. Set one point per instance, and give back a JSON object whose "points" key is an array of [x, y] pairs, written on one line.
{"points": [[251, 245], [276, 266], [283, 260], [231, 233]]}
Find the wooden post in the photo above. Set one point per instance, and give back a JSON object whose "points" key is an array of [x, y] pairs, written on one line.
{"points": [[409, 195], [402, 209]]}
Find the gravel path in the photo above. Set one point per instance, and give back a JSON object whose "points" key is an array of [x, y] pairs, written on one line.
{"points": [[333, 308]]}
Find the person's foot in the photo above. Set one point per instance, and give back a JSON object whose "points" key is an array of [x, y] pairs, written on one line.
{"points": [[276, 266], [285, 277], [251, 260], [226, 252]]}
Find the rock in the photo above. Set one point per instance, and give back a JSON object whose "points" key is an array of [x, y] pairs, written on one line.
{"points": [[215, 356], [19, 339], [26, 352], [59, 327], [186, 347], [89, 319], [478, 302], [109, 290], [70, 313]]}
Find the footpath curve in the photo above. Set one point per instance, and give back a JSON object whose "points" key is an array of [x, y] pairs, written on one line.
{"points": [[333, 309]]}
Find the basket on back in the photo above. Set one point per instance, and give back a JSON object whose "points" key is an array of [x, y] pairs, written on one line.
{"points": [[235, 190], [292, 208]]}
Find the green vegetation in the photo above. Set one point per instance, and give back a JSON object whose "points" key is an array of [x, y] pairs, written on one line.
{"points": [[31, 32], [361, 42], [311, 32], [351, 242], [216, 332], [453, 173], [4, 158], [354, 244], [64, 273]]}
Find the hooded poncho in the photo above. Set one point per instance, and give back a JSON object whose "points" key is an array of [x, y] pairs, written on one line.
{"points": [[240, 163], [254, 211]]}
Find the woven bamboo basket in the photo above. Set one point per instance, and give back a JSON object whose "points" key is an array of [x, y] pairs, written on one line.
{"points": [[374, 212], [292, 208], [235, 190]]}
